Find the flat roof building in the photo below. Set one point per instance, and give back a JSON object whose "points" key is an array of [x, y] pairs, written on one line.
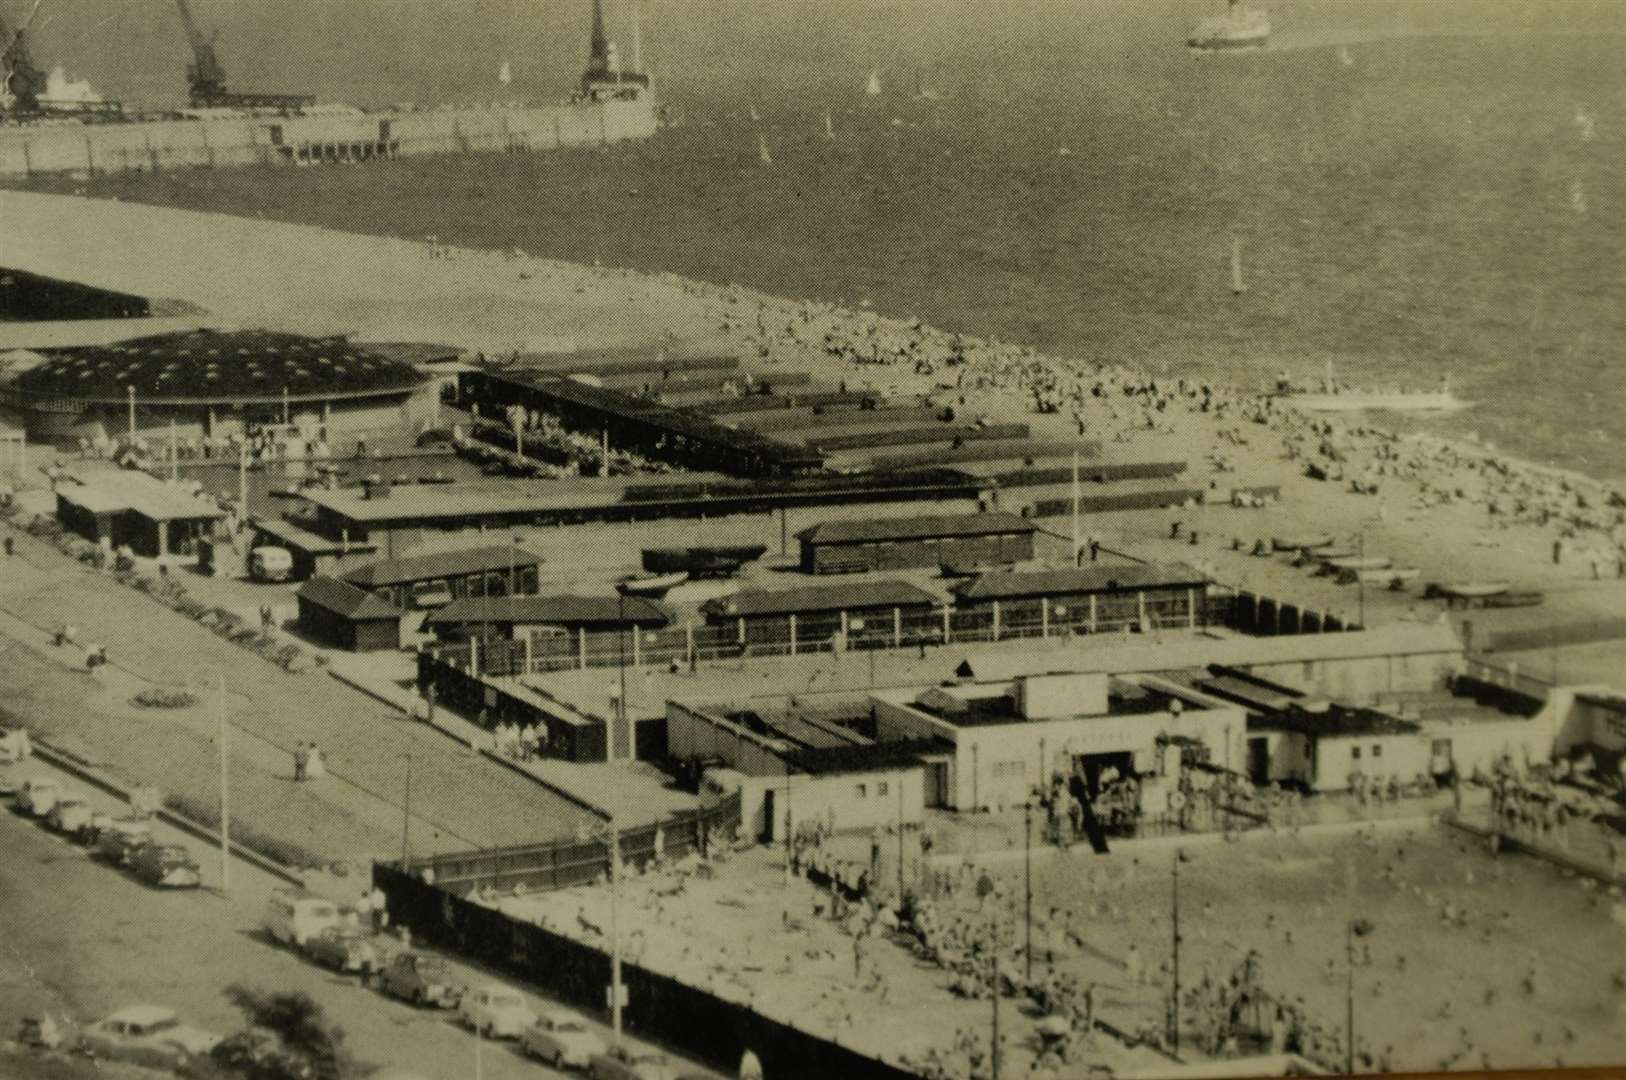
{"points": [[127, 508], [1009, 738], [970, 540], [874, 613], [411, 581], [519, 617], [1088, 599]]}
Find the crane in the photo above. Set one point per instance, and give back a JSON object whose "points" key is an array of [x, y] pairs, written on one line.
{"points": [[206, 79], [21, 83]]}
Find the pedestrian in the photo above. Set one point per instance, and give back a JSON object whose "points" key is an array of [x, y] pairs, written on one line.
{"points": [[301, 759], [378, 904], [750, 1067], [11, 546], [315, 767]]}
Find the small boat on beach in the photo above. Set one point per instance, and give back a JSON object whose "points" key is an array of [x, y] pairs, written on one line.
{"points": [[1301, 543], [1467, 590], [656, 585], [1389, 577], [1359, 562]]}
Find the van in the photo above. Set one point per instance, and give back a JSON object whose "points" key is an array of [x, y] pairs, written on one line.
{"points": [[293, 916], [271, 564]]}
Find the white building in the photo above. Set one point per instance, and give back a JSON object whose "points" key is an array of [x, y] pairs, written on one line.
{"points": [[1000, 740]]}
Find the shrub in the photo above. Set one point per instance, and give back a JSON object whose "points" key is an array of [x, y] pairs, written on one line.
{"points": [[207, 814], [163, 697]]}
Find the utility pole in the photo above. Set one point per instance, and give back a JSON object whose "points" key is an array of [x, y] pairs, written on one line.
{"points": [[1027, 874], [900, 843], [242, 482], [130, 391], [615, 929], [993, 1050], [1360, 581], [406, 817], [174, 453], [621, 651], [1174, 1015], [1075, 507], [225, 798], [1349, 999]]}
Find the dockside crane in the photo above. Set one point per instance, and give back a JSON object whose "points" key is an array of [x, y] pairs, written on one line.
{"points": [[206, 78]]}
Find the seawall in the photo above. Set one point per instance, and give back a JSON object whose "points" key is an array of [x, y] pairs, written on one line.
{"points": [[158, 145]]}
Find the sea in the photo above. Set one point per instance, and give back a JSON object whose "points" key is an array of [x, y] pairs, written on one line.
{"points": [[1418, 188]]}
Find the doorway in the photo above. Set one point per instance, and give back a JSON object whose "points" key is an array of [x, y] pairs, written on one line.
{"points": [[767, 816], [1259, 759]]}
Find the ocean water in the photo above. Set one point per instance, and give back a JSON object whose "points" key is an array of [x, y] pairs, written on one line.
{"points": [[1419, 189]]}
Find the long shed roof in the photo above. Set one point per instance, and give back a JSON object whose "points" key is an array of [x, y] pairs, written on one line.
{"points": [[441, 564], [928, 527], [854, 596], [1015, 585]]}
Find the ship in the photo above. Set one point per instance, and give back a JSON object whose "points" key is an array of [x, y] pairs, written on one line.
{"points": [[1241, 27]]}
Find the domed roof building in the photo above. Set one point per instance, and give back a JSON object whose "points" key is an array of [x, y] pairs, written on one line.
{"points": [[213, 382]]}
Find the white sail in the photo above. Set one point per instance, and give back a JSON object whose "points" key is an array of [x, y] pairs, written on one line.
{"points": [[1237, 286], [873, 87], [505, 74], [755, 116], [829, 126], [762, 150]]}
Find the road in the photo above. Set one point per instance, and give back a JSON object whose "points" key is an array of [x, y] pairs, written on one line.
{"points": [[83, 938]]}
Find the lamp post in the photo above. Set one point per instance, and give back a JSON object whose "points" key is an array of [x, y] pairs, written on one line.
{"points": [[621, 657], [225, 801], [1174, 923], [1360, 582], [1027, 879], [900, 843], [406, 817], [1354, 929], [615, 929]]}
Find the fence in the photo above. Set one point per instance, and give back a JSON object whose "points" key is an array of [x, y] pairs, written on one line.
{"points": [[1505, 676], [657, 1005], [562, 864], [1584, 632]]}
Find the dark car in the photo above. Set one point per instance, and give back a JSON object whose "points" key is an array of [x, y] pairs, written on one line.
{"points": [[345, 948], [420, 979], [165, 866]]}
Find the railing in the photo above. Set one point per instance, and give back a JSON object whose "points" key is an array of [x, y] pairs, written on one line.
{"points": [[1506, 673]]}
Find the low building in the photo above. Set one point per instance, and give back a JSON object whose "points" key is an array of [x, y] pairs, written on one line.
{"points": [[126, 508], [1007, 738], [791, 766], [1088, 599], [840, 547], [1321, 743], [444, 576], [520, 617], [874, 613], [338, 614]]}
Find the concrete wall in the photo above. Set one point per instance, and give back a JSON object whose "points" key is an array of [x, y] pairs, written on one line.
{"points": [[855, 801], [1359, 680], [270, 140]]}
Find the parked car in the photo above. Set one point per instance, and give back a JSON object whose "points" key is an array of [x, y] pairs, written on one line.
{"points": [[344, 948], [38, 794], [11, 780], [15, 746], [146, 1035], [563, 1039], [627, 1063], [431, 594], [71, 816], [420, 979], [166, 866], [271, 564], [121, 837], [496, 1012], [294, 916]]}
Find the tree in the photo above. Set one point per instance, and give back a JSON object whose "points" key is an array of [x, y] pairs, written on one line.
{"points": [[287, 1037]]}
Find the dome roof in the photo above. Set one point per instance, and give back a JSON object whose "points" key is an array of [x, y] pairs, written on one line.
{"points": [[209, 365]]}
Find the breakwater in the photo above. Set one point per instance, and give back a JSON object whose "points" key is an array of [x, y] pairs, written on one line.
{"points": [[317, 138]]}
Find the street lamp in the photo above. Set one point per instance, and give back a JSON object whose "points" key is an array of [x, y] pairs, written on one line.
{"points": [[1355, 928], [621, 658], [225, 803], [615, 929], [406, 817], [1180, 856], [1027, 877]]}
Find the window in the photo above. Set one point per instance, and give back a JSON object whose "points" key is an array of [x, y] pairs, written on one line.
{"points": [[1355, 753], [880, 788], [1377, 749], [863, 790]]}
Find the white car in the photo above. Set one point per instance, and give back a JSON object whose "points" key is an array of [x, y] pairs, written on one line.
{"points": [[496, 1011], [563, 1039], [146, 1035], [71, 815]]}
